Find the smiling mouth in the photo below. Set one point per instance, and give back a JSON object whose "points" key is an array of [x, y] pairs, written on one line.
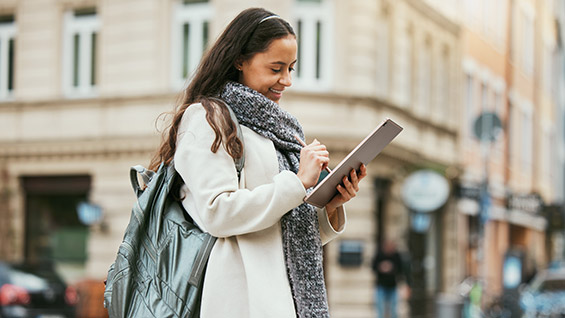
{"points": [[275, 91]]}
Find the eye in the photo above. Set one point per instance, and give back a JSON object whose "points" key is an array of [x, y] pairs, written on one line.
{"points": [[275, 70], [291, 69]]}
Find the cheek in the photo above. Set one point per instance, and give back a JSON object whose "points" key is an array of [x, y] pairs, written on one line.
{"points": [[259, 79], [259, 82], [248, 79]]}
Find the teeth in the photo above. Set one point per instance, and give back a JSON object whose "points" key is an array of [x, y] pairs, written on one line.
{"points": [[275, 91]]}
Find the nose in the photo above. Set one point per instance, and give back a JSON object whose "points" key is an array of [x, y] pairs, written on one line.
{"points": [[285, 79]]}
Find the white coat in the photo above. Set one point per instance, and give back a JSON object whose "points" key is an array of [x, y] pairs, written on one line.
{"points": [[246, 274]]}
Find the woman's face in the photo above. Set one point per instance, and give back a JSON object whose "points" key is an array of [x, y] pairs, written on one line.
{"points": [[269, 72]]}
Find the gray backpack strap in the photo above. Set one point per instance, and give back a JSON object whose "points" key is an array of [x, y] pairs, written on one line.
{"points": [[239, 162], [146, 175], [201, 260]]}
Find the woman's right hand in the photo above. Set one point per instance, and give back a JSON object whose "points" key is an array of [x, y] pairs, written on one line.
{"points": [[313, 158]]}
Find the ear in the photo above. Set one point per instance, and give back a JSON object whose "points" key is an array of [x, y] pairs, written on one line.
{"points": [[238, 64]]}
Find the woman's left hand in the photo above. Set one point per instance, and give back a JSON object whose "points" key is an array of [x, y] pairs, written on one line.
{"points": [[348, 190]]}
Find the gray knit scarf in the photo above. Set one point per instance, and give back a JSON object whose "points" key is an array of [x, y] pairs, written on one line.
{"points": [[300, 232]]}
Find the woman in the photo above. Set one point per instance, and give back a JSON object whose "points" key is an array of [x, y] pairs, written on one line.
{"points": [[267, 260]]}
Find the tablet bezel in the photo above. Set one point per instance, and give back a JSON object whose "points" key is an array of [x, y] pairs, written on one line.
{"points": [[364, 153]]}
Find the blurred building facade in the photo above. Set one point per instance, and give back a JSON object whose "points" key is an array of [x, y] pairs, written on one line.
{"points": [[559, 78], [485, 90], [559, 95], [511, 188], [83, 82]]}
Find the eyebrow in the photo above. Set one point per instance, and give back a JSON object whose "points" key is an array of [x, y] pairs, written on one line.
{"points": [[283, 63]]}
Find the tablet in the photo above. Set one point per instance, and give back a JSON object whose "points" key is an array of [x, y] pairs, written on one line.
{"points": [[364, 153]]}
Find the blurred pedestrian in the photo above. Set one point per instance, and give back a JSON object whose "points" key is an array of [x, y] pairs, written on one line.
{"points": [[267, 260], [390, 271]]}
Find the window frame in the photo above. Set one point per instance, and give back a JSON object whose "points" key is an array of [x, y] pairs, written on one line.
{"points": [[527, 42], [441, 92], [547, 66], [192, 14], [424, 71], [313, 70], [527, 138], [7, 34], [382, 57], [469, 102], [86, 27], [497, 101], [403, 81], [547, 136]]}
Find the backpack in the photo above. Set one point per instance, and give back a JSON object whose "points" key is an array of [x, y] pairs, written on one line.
{"points": [[160, 265]]}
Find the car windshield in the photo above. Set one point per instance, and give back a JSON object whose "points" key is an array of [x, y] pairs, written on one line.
{"points": [[31, 279]]}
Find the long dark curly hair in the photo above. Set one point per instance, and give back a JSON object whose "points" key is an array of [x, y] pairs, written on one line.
{"points": [[246, 35]]}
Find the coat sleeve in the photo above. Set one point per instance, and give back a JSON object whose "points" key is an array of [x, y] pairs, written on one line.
{"points": [[222, 208], [327, 231]]}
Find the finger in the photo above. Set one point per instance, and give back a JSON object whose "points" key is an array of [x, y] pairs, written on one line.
{"points": [[349, 187], [314, 153], [363, 170], [345, 195], [318, 148], [323, 153], [353, 175], [354, 180]]}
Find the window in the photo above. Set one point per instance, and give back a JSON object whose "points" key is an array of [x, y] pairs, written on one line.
{"points": [[528, 44], [499, 144], [546, 151], [547, 69], [485, 18], [402, 77], [513, 132], [314, 33], [79, 52], [382, 57], [7, 34], [527, 139], [442, 91], [54, 231], [190, 38], [484, 98], [422, 103], [500, 24], [469, 107], [498, 106]]}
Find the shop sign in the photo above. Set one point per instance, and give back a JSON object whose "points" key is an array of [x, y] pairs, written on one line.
{"points": [[425, 191], [529, 203], [469, 191]]}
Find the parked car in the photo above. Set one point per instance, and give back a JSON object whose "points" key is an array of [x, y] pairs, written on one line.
{"points": [[545, 295], [34, 291]]}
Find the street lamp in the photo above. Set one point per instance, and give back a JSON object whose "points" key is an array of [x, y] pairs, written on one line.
{"points": [[487, 128]]}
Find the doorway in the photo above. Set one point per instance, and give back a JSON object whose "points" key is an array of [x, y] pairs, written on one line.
{"points": [[53, 232]]}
